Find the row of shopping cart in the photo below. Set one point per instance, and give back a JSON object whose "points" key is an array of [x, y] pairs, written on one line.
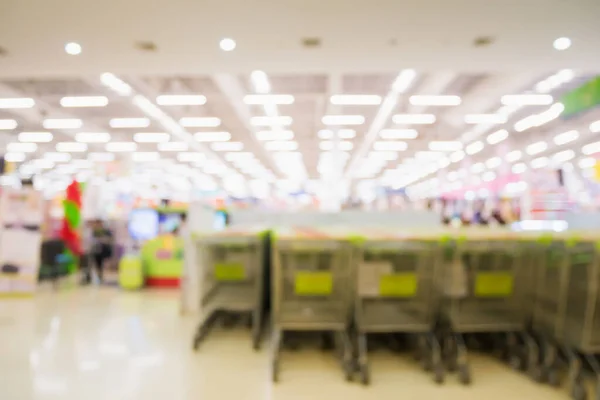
{"points": [[536, 295]]}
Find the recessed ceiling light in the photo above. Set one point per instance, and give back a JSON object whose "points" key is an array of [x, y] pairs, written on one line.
{"points": [[35, 137], [73, 48], [92, 137], [84, 101], [25, 102], [227, 44], [562, 43], [8, 124]]}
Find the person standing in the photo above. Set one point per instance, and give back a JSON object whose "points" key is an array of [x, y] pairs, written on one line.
{"points": [[101, 248]]}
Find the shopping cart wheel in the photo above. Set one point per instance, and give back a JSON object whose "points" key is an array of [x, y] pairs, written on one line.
{"points": [[365, 375], [439, 373], [464, 374], [578, 391]]}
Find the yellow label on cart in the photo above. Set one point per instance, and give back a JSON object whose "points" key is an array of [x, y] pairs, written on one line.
{"points": [[230, 271], [398, 285], [313, 283], [493, 284]]}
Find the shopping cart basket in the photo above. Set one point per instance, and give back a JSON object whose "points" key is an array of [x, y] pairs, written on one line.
{"points": [[233, 275], [484, 294], [396, 293], [311, 290]]}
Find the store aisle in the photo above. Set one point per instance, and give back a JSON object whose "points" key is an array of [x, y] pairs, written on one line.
{"points": [[105, 344]]}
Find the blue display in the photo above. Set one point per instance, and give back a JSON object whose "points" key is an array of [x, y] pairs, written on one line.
{"points": [[143, 224]]}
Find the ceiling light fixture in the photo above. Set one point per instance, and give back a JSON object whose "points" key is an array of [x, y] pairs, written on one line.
{"points": [[73, 48], [227, 146], [445, 145], [15, 157], [62, 123], [115, 84], [151, 137], [591, 148], [92, 137], [270, 121], [129, 123], [71, 147], [414, 119], [542, 118], [145, 156], [474, 148], [493, 162], [435, 100], [191, 157], [457, 156], [227, 44], [566, 137], [587, 162], [343, 145], [522, 100], [536, 148], [540, 162], [24, 102], [101, 157], [403, 81], [398, 134], [212, 136], [355, 100], [562, 43], [275, 135], [260, 81], [8, 124], [563, 156], [497, 137], [327, 134], [35, 137], [485, 119], [172, 146], [84, 101], [180, 100], [343, 120], [281, 146], [477, 168], [262, 99], [57, 157], [595, 127], [121, 147], [21, 147], [514, 155]]}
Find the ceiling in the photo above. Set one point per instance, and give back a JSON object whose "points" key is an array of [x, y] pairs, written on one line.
{"points": [[364, 47]]}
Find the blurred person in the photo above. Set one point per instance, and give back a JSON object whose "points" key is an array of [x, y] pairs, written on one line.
{"points": [[100, 248]]}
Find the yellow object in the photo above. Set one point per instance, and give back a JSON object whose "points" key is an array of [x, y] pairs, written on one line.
{"points": [[597, 171], [313, 283], [131, 274], [398, 285], [168, 242], [230, 272], [493, 284]]}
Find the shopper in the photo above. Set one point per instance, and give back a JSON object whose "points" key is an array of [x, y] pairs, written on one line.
{"points": [[101, 249]]}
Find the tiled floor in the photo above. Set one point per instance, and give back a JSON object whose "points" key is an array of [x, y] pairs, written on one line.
{"points": [[88, 344]]}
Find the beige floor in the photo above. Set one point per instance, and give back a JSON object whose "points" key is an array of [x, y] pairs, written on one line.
{"points": [[88, 344]]}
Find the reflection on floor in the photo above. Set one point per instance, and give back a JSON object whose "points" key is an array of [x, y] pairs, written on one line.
{"points": [[101, 343]]}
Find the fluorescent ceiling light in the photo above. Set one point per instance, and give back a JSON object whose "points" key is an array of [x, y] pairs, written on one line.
{"points": [[281, 146], [115, 84], [21, 147], [438, 145], [327, 134], [566, 137], [101, 157], [435, 100], [172, 146], [260, 81], [519, 168], [24, 102], [383, 145], [200, 122], [71, 147], [343, 145], [145, 156], [477, 168], [275, 135], [129, 123], [384, 155], [485, 119], [92, 137], [399, 134], [355, 100], [84, 101], [536, 148], [62, 123], [57, 157], [488, 176], [587, 162], [121, 147], [212, 136], [497, 137], [562, 43], [542, 118], [527, 100], [270, 121], [43, 163], [14, 157], [595, 127], [151, 137], [414, 119], [591, 148], [563, 156], [514, 155], [404, 80], [35, 137], [493, 162], [8, 124], [180, 100], [343, 120], [190, 157], [474, 148], [540, 162], [262, 99], [238, 156], [227, 146], [457, 156]]}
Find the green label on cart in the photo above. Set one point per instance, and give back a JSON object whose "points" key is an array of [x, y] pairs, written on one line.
{"points": [[398, 285], [313, 283], [493, 284], [231, 271]]}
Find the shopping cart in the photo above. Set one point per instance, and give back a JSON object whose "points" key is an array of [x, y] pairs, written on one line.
{"points": [[396, 293], [485, 293], [311, 290], [233, 279]]}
